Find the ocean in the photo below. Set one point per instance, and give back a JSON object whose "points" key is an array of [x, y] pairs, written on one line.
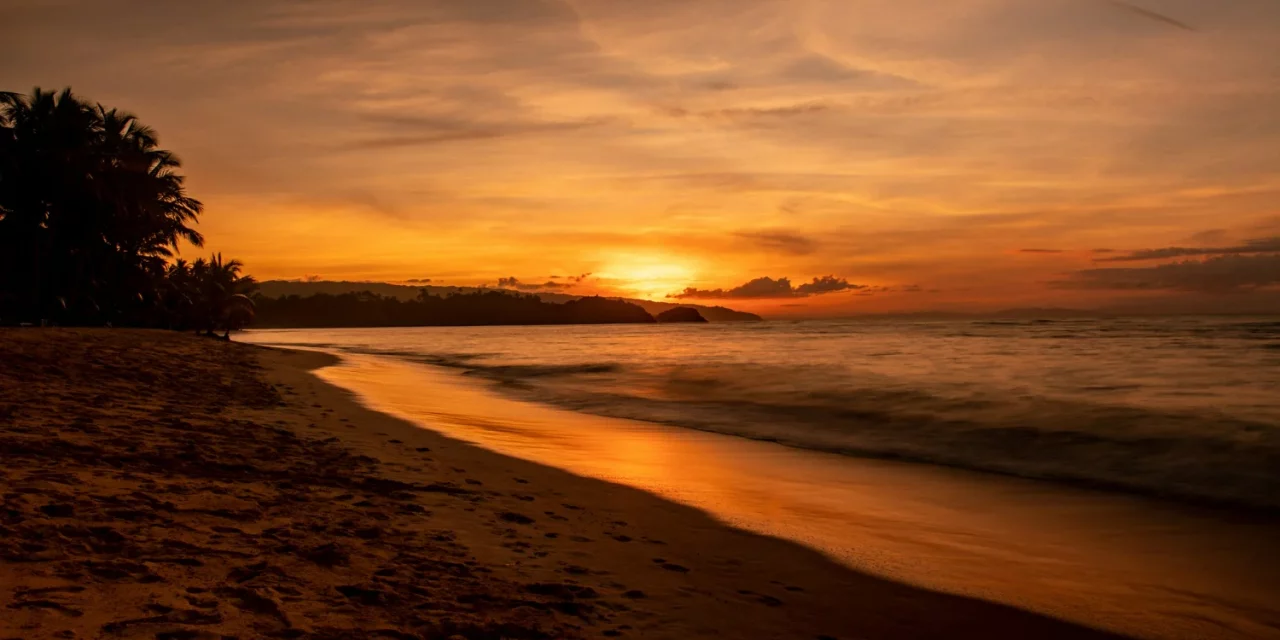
{"points": [[1184, 408]]}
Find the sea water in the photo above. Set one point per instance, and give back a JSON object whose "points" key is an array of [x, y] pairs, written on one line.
{"points": [[1184, 408]]}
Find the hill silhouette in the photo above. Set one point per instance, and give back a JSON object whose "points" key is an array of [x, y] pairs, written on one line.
{"points": [[680, 314], [278, 288], [366, 309]]}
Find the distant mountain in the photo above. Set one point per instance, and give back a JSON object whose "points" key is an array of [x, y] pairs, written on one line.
{"points": [[680, 314], [278, 288], [711, 314]]}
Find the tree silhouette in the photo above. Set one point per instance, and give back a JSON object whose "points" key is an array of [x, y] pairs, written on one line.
{"points": [[91, 213], [368, 309]]}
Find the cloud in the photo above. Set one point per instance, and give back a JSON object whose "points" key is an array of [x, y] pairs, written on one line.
{"points": [[1210, 236], [1259, 245], [1217, 274], [780, 241], [1040, 251], [515, 283], [419, 280], [747, 113], [880, 138], [448, 131], [573, 279], [768, 288], [825, 284], [905, 288], [1147, 13]]}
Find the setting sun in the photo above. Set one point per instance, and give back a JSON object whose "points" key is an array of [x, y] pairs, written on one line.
{"points": [[647, 276]]}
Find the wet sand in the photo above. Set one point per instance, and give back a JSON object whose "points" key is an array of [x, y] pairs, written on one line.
{"points": [[1140, 566], [158, 485]]}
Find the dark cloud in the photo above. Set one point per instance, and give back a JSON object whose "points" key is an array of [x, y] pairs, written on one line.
{"points": [[903, 288], [825, 284], [820, 68], [515, 283], [419, 280], [747, 113], [765, 288], [780, 241], [1147, 13], [744, 182], [720, 85], [1217, 274], [1210, 236], [423, 133], [574, 279], [1259, 245], [769, 112]]}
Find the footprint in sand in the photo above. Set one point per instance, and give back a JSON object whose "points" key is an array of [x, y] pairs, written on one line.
{"points": [[517, 518]]}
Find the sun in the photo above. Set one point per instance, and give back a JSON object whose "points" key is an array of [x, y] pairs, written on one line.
{"points": [[647, 276]]}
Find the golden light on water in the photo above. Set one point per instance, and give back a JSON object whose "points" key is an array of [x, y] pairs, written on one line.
{"points": [[939, 528]]}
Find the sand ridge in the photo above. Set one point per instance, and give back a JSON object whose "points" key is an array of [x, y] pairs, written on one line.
{"points": [[159, 485]]}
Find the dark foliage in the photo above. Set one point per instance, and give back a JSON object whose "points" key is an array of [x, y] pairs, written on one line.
{"points": [[484, 308], [91, 213]]}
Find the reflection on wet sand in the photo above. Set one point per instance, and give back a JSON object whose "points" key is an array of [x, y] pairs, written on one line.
{"points": [[1124, 563]]}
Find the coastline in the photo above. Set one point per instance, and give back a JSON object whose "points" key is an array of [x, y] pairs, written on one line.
{"points": [[203, 488], [1145, 567]]}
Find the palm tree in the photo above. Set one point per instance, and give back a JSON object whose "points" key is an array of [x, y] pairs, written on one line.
{"points": [[176, 295], [223, 293], [45, 163], [90, 210]]}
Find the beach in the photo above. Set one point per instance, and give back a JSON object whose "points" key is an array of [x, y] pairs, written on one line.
{"points": [[159, 485]]}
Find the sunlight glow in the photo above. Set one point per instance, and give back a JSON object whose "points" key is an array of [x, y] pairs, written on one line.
{"points": [[647, 276]]}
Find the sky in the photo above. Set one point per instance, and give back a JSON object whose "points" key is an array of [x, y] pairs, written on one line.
{"points": [[790, 157]]}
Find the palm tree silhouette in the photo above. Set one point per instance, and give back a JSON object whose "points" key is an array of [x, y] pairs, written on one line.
{"points": [[224, 292], [92, 211]]}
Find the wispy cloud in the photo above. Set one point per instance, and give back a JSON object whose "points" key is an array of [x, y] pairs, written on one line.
{"points": [[1259, 245], [745, 114], [1152, 15], [1219, 274], [900, 140], [467, 132], [780, 241]]}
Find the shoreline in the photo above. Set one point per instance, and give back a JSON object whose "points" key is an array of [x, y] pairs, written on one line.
{"points": [[339, 521], [1233, 507], [1147, 462], [1117, 561]]}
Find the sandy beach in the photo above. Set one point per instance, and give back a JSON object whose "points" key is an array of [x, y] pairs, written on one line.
{"points": [[158, 485]]}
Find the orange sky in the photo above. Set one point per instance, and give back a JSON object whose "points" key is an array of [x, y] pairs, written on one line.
{"points": [[915, 150]]}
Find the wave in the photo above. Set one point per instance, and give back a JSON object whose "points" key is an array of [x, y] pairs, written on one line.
{"points": [[1187, 454]]}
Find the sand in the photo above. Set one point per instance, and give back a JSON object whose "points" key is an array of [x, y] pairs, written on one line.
{"points": [[159, 485]]}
